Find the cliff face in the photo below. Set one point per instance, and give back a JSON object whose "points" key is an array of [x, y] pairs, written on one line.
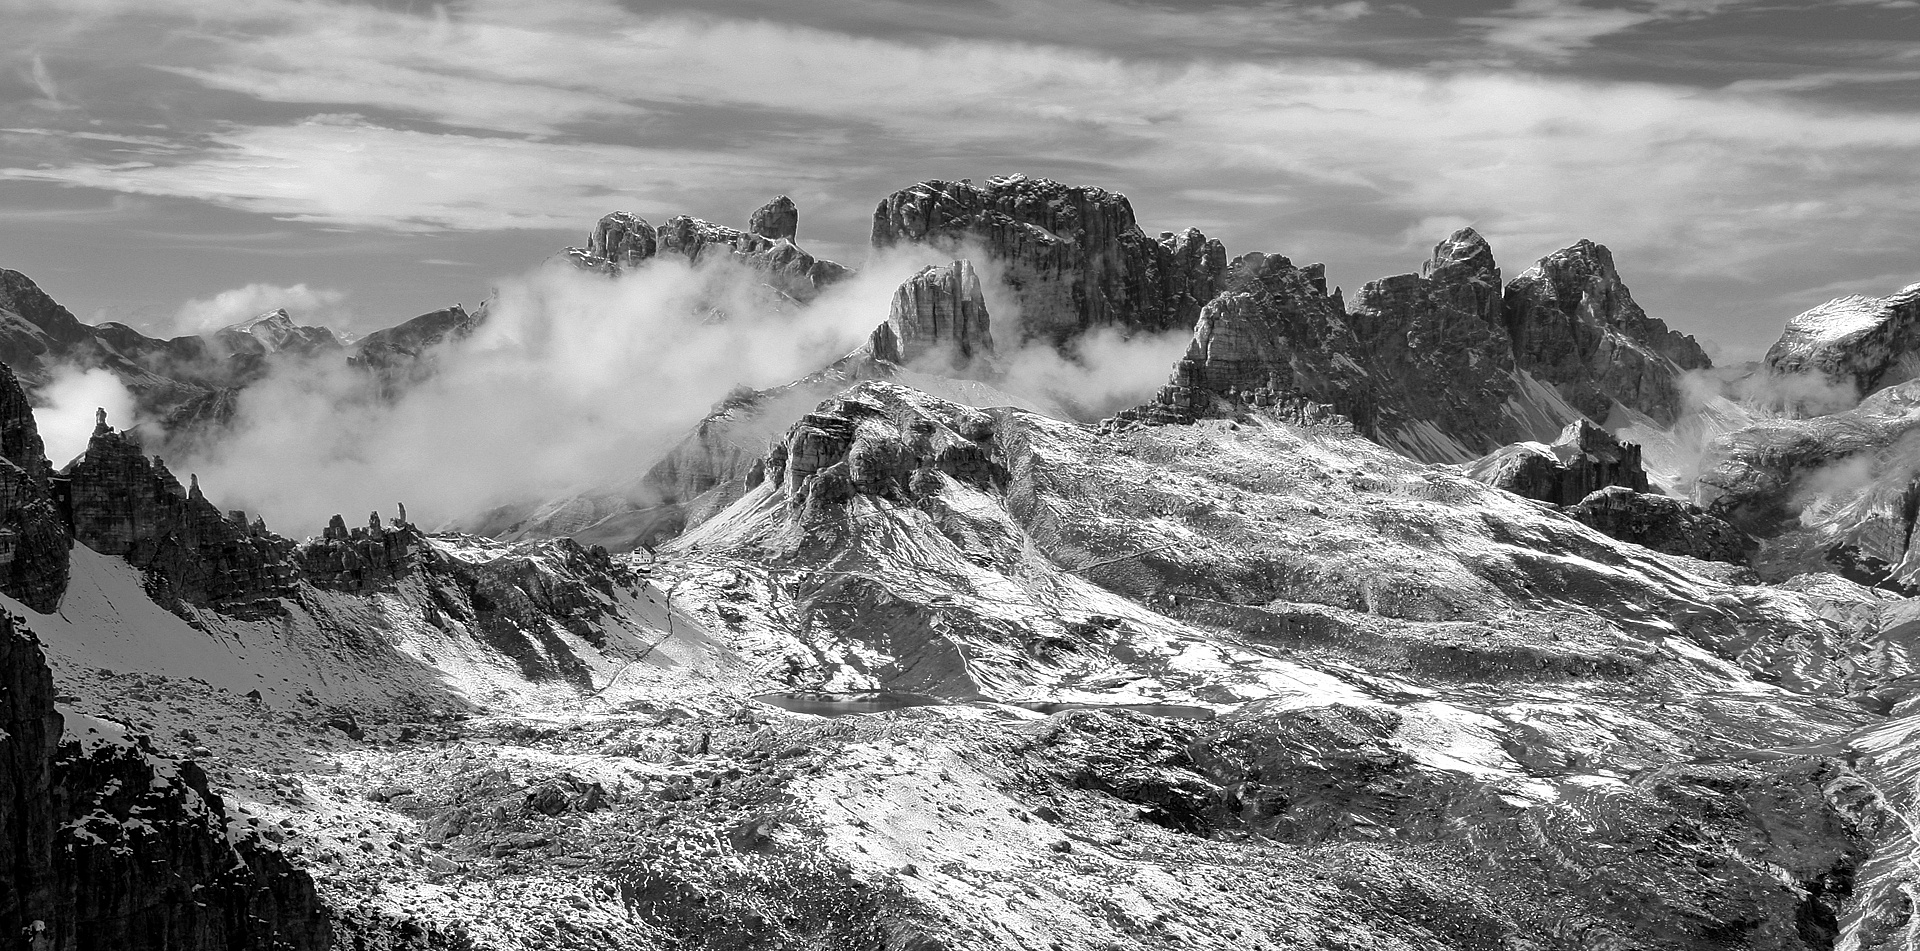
{"points": [[1436, 346], [1073, 257], [1575, 325], [123, 503], [1855, 344], [1273, 334], [34, 539], [941, 310], [111, 847]]}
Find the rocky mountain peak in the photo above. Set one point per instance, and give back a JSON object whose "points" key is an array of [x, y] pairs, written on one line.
{"points": [[1856, 342], [1575, 325], [940, 310], [1464, 252], [1073, 256], [779, 218], [276, 332], [621, 240]]}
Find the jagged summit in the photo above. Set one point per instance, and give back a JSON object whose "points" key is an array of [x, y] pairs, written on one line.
{"points": [[940, 310], [1575, 325], [1073, 256], [779, 218], [623, 241]]}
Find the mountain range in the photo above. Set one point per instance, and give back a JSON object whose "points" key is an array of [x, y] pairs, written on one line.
{"points": [[1457, 612]]}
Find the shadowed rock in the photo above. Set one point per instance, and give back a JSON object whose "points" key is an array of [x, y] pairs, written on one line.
{"points": [[1574, 325], [779, 218], [34, 539], [1583, 460]]}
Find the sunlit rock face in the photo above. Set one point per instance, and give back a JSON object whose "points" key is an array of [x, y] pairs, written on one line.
{"points": [[1854, 345], [1574, 325], [939, 311], [1072, 257]]}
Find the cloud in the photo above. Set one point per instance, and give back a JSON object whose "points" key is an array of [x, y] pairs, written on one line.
{"points": [[574, 381], [343, 170], [489, 116], [66, 418], [1554, 28], [306, 305]]}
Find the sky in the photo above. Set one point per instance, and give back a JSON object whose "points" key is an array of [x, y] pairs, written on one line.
{"points": [[175, 164]]}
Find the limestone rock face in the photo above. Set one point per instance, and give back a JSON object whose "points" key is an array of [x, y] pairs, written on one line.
{"points": [[1662, 523], [360, 560], [1437, 348], [34, 539], [623, 241], [106, 844], [1273, 334], [1574, 325], [876, 440], [125, 504], [779, 218], [939, 311], [1859, 344], [620, 241], [1584, 460], [1073, 256]]}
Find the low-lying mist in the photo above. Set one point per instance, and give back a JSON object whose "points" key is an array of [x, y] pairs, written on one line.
{"points": [[573, 381]]}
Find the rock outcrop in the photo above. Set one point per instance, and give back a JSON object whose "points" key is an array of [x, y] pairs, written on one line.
{"points": [[940, 312], [622, 241], [1072, 256], [107, 844], [1273, 335], [878, 440], [1438, 351], [34, 539], [1845, 349], [360, 560], [1574, 325], [1663, 523], [123, 503], [1584, 460], [776, 219]]}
